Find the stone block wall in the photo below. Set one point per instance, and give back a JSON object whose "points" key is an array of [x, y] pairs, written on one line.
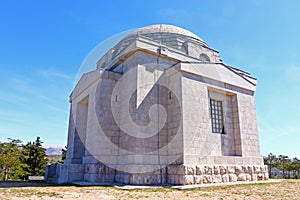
{"points": [[248, 125], [241, 134], [201, 174], [62, 173], [172, 174]]}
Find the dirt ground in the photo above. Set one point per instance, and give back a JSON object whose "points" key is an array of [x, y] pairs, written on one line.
{"points": [[285, 189]]}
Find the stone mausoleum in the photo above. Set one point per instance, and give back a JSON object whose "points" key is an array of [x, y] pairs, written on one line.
{"points": [[162, 108]]}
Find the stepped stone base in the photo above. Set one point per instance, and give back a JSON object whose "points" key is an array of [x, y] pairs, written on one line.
{"points": [[199, 174], [172, 174]]}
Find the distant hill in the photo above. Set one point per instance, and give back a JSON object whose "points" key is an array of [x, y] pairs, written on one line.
{"points": [[54, 159], [53, 150]]}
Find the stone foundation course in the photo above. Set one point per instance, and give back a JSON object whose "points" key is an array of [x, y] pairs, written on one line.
{"points": [[201, 174], [173, 174]]}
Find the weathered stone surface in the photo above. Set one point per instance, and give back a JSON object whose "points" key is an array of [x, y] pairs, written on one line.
{"points": [[238, 169], [91, 177], [241, 177], [186, 180], [208, 169], [248, 177], [264, 169], [125, 178], [200, 169], [231, 169], [232, 178], [250, 169], [225, 178], [207, 179], [92, 169], [244, 169], [172, 169], [254, 177], [172, 179], [223, 170], [190, 170], [174, 174], [216, 170], [198, 179], [257, 169], [217, 178]]}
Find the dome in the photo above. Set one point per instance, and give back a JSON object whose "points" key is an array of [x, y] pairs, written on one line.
{"points": [[164, 28], [160, 32], [168, 35]]}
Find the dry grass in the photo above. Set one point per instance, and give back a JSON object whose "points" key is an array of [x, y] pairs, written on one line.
{"points": [[286, 189]]}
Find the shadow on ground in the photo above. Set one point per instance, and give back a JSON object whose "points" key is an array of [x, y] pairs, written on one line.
{"points": [[16, 184]]}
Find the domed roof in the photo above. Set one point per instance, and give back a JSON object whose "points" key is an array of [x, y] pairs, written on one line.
{"points": [[167, 35], [164, 28]]}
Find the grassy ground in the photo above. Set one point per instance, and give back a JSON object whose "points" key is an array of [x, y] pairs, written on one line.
{"points": [[285, 189]]}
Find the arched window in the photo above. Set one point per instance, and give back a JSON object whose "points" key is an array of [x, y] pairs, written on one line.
{"points": [[204, 58]]}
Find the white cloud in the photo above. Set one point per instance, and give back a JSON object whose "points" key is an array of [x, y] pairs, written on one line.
{"points": [[50, 73]]}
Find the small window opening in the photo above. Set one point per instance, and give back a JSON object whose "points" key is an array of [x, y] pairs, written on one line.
{"points": [[217, 121], [204, 58]]}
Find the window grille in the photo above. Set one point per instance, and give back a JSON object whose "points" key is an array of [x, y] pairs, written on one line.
{"points": [[216, 108]]}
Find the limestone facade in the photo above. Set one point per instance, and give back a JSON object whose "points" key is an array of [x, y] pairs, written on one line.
{"points": [[162, 108]]}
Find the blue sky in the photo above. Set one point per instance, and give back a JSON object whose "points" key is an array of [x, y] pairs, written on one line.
{"points": [[43, 44]]}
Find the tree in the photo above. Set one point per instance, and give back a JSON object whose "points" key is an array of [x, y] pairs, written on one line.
{"points": [[283, 162], [271, 161], [10, 164], [63, 157], [296, 165], [35, 157], [64, 153], [288, 165]]}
